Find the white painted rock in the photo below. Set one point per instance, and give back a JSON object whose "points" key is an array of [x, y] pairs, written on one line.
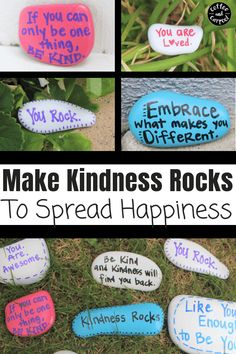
{"points": [[173, 40], [24, 262], [65, 352], [200, 325], [193, 257], [50, 116], [126, 270]]}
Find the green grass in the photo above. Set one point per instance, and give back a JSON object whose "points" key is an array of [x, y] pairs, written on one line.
{"points": [[138, 15], [73, 289]]}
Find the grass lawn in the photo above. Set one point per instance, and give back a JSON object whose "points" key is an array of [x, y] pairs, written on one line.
{"points": [[73, 289]]}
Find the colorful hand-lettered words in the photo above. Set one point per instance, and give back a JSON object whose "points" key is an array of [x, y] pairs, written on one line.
{"points": [[168, 119], [24, 262], [144, 319], [126, 270], [173, 40], [201, 325], [57, 34], [30, 315], [193, 257], [50, 116]]}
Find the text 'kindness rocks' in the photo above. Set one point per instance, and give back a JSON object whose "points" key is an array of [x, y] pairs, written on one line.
{"points": [[201, 325], [173, 40], [30, 315], [57, 34], [126, 270], [24, 262], [168, 119], [193, 257], [49, 116], [137, 319]]}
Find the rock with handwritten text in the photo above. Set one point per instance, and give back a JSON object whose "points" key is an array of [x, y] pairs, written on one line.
{"points": [[30, 315], [50, 116], [57, 34], [24, 262], [144, 319], [65, 352], [193, 257], [126, 270], [201, 325], [173, 40], [168, 119]]}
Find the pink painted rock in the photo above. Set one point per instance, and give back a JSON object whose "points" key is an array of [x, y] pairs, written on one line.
{"points": [[30, 315], [57, 34]]}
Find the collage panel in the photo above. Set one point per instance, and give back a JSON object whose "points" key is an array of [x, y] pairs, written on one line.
{"points": [[57, 114], [178, 114], [64, 35], [178, 36]]}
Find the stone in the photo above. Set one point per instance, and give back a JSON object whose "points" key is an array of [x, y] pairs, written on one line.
{"points": [[50, 116], [24, 262], [65, 352], [190, 256], [200, 325], [174, 40], [126, 270], [144, 319], [168, 119], [30, 315], [58, 34]]}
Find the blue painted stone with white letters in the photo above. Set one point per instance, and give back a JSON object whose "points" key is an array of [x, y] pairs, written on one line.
{"points": [[167, 119], [202, 325], [145, 319]]}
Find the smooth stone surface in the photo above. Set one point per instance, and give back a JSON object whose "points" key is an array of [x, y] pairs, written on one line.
{"points": [[57, 34], [30, 315], [50, 116], [144, 319], [65, 352], [24, 262], [193, 257], [173, 40], [201, 325], [168, 119], [126, 270]]}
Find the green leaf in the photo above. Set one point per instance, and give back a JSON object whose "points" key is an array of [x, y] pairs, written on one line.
{"points": [[80, 97], [56, 92], [41, 96], [99, 87], [19, 98], [6, 98], [11, 137], [33, 141], [72, 141]]}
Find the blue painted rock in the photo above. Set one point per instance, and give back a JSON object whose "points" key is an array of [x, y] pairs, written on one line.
{"points": [[24, 262], [126, 270], [201, 325], [167, 119], [173, 40], [130, 320], [50, 116], [193, 257]]}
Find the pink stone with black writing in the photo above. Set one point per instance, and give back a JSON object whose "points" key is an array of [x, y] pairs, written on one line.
{"points": [[30, 315], [24, 262], [57, 34]]}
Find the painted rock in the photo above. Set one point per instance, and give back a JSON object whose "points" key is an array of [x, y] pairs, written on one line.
{"points": [[126, 270], [50, 116], [172, 40], [201, 325], [65, 352], [167, 119], [57, 34], [193, 257], [137, 319], [24, 262], [30, 315]]}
